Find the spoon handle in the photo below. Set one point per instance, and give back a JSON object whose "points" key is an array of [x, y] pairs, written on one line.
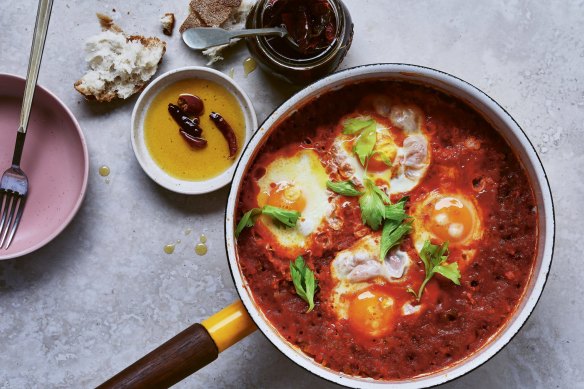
{"points": [[34, 62], [281, 32]]}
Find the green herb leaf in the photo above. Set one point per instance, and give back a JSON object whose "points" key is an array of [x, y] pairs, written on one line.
{"points": [[372, 205], [396, 211], [366, 142], [394, 228], [384, 158], [284, 216], [434, 258], [450, 271], [392, 234], [304, 281], [382, 195], [248, 220], [427, 251], [354, 125], [345, 188]]}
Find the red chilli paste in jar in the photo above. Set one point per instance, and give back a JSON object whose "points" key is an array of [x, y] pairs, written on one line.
{"points": [[311, 26]]}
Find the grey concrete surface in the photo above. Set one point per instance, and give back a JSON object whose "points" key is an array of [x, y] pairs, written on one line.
{"points": [[103, 293]]}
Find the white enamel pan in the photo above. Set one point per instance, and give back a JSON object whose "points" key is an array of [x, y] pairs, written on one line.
{"points": [[201, 343]]}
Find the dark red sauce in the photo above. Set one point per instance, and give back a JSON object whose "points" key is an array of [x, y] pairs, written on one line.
{"points": [[459, 319]]}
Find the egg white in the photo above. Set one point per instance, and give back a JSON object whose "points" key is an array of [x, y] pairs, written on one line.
{"points": [[349, 163], [412, 158], [305, 172], [358, 267]]}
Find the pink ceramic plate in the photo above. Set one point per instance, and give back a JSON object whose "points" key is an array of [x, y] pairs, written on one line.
{"points": [[54, 159]]}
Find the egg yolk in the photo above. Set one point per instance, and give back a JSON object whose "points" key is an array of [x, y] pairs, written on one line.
{"points": [[385, 150], [371, 312], [451, 220], [287, 196]]}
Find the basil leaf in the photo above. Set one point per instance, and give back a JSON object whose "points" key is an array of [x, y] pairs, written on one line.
{"points": [[354, 125], [449, 271], [392, 234], [304, 281], [284, 216], [345, 188], [247, 220], [366, 142]]}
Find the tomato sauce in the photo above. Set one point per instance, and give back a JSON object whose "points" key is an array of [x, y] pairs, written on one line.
{"points": [[467, 156]]}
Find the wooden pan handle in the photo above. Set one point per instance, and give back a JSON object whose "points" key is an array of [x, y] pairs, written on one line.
{"points": [[163, 367], [187, 352]]}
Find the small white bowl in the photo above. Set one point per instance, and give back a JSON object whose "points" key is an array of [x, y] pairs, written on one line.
{"points": [[151, 168]]}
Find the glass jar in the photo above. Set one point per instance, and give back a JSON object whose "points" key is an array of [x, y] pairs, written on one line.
{"points": [[285, 57]]}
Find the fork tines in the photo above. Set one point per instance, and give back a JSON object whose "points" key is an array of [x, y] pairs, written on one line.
{"points": [[11, 203]]}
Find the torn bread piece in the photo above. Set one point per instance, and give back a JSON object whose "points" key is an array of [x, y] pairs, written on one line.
{"points": [[167, 23], [119, 65]]}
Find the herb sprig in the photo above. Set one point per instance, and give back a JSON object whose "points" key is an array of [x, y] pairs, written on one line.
{"points": [[372, 204], [434, 258], [376, 208], [304, 281], [286, 217]]}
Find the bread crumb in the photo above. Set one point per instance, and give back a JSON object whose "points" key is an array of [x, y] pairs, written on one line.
{"points": [[167, 23], [107, 23]]}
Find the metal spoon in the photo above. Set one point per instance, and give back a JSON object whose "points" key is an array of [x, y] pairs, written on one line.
{"points": [[200, 38]]}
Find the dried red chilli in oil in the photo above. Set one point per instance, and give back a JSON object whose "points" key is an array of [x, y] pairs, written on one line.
{"points": [[227, 132], [187, 124], [193, 141]]}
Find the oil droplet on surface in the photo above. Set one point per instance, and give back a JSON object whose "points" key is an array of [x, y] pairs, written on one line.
{"points": [[177, 241], [104, 171], [201, 249], [169, 248], [231, 72], [249, 65], [203, 238]]}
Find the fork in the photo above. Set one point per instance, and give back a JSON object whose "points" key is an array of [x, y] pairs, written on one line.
{"points": [[14, 183]]}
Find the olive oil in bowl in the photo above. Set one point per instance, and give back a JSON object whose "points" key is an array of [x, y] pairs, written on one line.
{"points": [[171, 152]]}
